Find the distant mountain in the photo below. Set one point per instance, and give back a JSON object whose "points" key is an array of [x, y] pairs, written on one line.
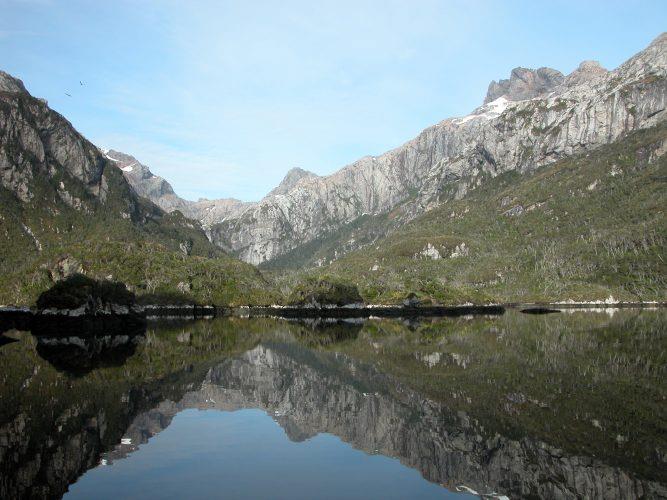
{"points": [[532, 119], [553, 189], [145, 183], [525, 83], [290, 181], [160, 192], [66, 207]]}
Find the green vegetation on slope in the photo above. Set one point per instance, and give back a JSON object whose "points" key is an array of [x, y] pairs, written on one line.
{"points": [[323, 291], [124, 238], [65, 208], [584, 228]]}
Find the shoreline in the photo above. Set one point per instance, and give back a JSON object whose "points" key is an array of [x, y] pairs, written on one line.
{"points": [[155, 311]]}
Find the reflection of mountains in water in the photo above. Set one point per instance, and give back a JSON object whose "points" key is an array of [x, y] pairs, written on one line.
{"points": [[310, 392]]}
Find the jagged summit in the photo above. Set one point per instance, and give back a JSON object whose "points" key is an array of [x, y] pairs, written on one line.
{"points": [[524, 83], [291, 179], [160, 192], [145, 182], [653, 59], [587, 71], [10, 84], [532, 119]]}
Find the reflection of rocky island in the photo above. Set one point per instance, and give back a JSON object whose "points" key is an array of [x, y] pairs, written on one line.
{"points": [[375, 386], [79, 355]]}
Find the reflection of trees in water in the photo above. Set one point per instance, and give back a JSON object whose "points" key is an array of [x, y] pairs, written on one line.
{"points": [[54, 427], [309, 390]]}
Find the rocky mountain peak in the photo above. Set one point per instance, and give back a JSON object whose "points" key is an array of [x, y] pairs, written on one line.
{"points": [[653, 59], [114, 155], [291, 179], [588, 71], [10, 84], [131, 167], [146, 183], [529, 120], [524, 83]]}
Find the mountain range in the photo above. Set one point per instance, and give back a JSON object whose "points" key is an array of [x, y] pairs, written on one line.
{"points": [[532, 119], [517, 200]]}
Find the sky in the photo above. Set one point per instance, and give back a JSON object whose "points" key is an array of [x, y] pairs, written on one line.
{"points": [[222, 98]]}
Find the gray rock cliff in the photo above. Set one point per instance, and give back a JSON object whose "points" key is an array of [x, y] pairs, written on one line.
{"points": [[524, 83], [160, 192]]}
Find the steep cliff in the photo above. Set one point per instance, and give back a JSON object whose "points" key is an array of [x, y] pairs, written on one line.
{"points": [[585, 228]]}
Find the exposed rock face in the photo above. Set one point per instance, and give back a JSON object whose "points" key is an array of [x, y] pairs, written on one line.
{"points": [[524, 84], [145, 183], [10, 84], [292, 178], [34, 140], [60, 194], [588, 71], [210, 212], [40, 152], [532, 119]]}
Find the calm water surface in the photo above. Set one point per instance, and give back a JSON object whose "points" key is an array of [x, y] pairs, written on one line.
{"points": [[567, 405]]}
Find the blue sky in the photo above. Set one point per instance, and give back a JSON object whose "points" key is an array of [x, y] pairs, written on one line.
{"points": [[222, 98]]}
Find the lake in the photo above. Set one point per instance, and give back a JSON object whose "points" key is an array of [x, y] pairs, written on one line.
{"points": [[565, 405]]}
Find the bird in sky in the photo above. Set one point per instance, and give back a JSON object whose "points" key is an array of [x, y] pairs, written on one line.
{"points": [[80, 82], [68, 95]]}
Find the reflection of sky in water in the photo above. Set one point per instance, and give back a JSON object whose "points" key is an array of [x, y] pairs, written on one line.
{"points": [[245, 454]]}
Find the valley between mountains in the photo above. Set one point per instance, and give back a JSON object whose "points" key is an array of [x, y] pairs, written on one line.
{"points": [[553, 190]]}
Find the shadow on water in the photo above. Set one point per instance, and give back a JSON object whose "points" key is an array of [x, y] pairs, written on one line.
{"points": [[564, 405]]}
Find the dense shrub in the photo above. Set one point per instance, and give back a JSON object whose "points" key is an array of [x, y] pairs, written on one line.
{"points": [[78, 290], [324, 291]]}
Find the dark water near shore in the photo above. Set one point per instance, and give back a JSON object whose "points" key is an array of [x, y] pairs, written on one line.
{"points": [[564, 405]]}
